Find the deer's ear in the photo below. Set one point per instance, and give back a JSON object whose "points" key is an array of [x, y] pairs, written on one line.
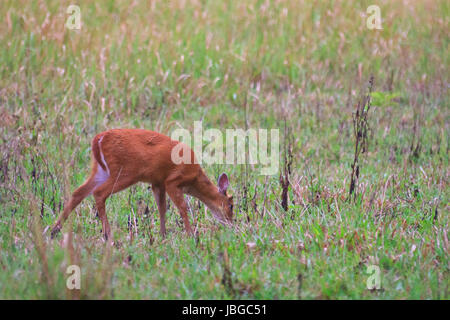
{"points": [[223, 183]]}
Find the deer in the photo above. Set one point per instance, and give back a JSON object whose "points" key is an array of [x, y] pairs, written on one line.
{"points": [[123, 157]]}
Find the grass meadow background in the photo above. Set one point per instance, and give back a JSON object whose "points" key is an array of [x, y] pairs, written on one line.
{"points": [[300, 66]]}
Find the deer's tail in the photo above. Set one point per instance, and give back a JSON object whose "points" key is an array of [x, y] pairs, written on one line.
{"points": [[97, 151]]}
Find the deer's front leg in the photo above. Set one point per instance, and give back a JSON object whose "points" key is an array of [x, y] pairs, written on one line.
{"points": [[160, 196], [176, 194]]}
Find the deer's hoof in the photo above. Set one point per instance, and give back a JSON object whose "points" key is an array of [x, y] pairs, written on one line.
{"points": [[55, 231]]}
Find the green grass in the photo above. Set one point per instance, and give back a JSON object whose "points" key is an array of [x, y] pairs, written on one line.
{"points": [[160, 66]]}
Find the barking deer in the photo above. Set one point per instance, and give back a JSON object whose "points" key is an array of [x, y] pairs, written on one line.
{"points": [[123, 157]]}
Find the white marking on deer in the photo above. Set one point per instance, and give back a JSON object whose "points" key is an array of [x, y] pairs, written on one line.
{"points": [[101, 176], [101, 154]]}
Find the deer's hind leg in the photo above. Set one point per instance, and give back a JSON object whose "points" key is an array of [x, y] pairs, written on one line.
{"points": [[113, 184], [78, 195]]}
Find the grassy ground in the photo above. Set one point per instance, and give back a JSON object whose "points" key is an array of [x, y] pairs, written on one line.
{"points": [[230, 63]]}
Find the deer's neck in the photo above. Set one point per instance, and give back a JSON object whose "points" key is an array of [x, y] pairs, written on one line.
{"points": [[207, 193]]}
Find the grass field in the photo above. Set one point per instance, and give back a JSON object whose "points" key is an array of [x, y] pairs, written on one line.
{"points": [[298, 66]]}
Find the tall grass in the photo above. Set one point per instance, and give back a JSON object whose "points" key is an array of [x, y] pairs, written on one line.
{"points": [[160, 65]]}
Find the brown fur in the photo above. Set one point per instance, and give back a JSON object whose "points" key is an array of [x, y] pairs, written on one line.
{"points": [[137, 155]]}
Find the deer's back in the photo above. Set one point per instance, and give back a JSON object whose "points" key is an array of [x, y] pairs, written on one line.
{"points": [[144, 154]]}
